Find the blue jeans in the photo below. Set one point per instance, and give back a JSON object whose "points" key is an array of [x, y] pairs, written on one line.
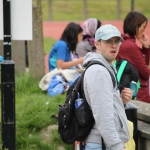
{"points": [[94, 146]]}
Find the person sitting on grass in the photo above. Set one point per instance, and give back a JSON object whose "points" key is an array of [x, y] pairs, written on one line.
{"points": [[61, 54]]}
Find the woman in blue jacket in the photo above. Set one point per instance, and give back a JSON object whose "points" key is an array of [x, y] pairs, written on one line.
{"points": [[61, 54]]}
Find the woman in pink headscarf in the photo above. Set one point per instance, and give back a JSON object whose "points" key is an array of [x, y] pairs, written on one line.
{"points": [[87, 44]]}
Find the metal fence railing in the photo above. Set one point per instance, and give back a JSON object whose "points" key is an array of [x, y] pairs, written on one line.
{"points": [[54, 10]]}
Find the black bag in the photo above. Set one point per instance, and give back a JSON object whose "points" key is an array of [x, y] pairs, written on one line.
{"points": [[126, 73], [69, 126]]}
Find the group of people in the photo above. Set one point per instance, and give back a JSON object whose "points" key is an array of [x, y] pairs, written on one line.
{"points": [[105, 43], [74, 44], [76, 41]]}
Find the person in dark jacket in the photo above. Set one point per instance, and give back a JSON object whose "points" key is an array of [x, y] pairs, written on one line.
{"points": [[129, 74], [134, 29]]}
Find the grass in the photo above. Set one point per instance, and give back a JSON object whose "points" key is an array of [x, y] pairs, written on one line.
{"points": [[33, 106], [33, 114], [71, 10], [48, 44]]}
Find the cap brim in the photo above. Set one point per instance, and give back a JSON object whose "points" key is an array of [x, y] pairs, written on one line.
{"points": [[109, 37]]}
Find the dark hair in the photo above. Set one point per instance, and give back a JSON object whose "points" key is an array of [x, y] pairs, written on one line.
{"points": [[98, 23], [132, 21], [70, 35]]}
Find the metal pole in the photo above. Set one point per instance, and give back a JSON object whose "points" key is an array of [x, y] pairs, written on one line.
{"points": [[7, 30], [119, 9], [50, 10], [7, 85], [85, 9], [132, 5]]}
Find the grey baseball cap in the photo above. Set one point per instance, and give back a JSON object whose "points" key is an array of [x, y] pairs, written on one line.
{"points": [[106, 32]]}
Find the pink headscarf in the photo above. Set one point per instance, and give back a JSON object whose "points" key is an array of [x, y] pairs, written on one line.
{"points": [[89, 28]]}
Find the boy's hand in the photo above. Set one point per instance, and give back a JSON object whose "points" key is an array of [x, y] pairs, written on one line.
{"points": [[126, 95]]}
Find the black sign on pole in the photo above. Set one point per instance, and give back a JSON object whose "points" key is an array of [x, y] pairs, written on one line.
{"points": [[7, 30], [8, 85]]}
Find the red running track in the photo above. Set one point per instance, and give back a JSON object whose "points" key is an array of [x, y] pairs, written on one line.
{"points": [[55, 29]]}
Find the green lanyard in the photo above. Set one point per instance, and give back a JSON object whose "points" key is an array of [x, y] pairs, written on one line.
{"points": [[121, 69]]}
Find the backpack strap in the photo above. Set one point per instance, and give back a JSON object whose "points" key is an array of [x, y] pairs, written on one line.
{"points": [[99, 63], [80, 81], [121, 69]]}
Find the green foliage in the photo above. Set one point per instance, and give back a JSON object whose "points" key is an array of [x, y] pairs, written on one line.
{"points": [[48, 44], [33, 106], [25, 82], [31, 142], [71, 10], [55, 139], [34, 109]]}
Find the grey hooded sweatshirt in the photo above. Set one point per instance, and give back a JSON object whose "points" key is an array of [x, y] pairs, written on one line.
{"points": [[106, 104]]}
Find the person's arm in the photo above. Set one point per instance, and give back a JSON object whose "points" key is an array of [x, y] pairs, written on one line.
{"points": [[63, 59], [65, 65], [126, 95], [146, 52], [134, 55]]}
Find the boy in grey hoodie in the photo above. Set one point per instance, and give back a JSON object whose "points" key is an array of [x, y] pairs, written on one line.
{"points": [[106, 102]]}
